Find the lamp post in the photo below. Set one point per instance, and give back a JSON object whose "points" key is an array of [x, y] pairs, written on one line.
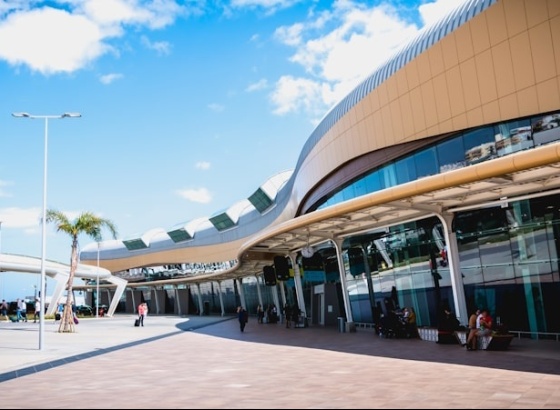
{"points": [[1, 284], [44, 215], [97, 291]]}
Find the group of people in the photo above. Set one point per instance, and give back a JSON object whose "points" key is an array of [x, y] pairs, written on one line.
{"points": [[291, 315], [480, 324], [21, 310], [399, 323], [270, 313]]}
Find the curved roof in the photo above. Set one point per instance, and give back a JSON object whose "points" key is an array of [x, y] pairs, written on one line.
{"points": [[230, 226], [246, 216], [256, 234]]}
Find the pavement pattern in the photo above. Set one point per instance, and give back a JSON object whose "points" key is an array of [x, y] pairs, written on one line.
{"points": [[207, 362]]}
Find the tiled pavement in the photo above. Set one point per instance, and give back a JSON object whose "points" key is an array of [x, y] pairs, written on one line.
{"points": [[206, 362]]}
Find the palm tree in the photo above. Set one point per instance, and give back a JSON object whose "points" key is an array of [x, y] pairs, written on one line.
{"points": [[86, 223]]}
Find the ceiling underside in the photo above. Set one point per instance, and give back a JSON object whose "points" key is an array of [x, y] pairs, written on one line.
{"points": [[489, 192]]}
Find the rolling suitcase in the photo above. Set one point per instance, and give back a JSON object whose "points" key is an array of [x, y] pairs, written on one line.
{"points": [[137, 322]]}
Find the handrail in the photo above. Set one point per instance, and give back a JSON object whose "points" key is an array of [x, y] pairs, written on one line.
{"points": [[521, 332]]}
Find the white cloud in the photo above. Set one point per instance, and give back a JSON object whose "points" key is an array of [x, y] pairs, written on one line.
{"points": [[50, 40], [216, 107], [3, 192], [68, 35], [200, 195], [340, 47], [20, 217], [270, 6], [290, 35], [114, 13], [433, 12], [109, 78], [161, 47], [29, 219], [259, 85], [204, 165], [293, 94]]}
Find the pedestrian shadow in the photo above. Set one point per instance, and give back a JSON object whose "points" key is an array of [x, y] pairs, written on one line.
{"points": [[523, 355]]}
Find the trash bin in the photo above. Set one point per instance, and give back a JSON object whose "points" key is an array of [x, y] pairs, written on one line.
{"points": [[341, 325]]}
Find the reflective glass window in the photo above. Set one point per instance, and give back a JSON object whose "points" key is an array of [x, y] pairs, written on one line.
{"points": [[451, 154], [513, 136], [426, 162], [406, 170], [388, 176], [479, 145], [373, 182]]}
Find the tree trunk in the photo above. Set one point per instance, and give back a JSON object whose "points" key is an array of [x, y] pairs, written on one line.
{"points": [[67, 324], [67, 321]]}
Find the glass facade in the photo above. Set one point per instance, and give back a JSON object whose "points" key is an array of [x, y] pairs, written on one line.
{"points": [[508, 254], [461, 150]]}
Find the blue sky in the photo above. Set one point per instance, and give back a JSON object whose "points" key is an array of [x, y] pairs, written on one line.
{"points": [[187, 106]]}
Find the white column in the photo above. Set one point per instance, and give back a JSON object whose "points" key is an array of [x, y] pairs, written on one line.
{"points": [[154, 293], [61, 281], [275, 300], [283, 293], [97, 285], [298, 285], [241, 293], [455, 269], [177, 301], [259, 294], [221, 298], [200, 307], [367, 271], [1, 284], [133, 300], [338, 246]]}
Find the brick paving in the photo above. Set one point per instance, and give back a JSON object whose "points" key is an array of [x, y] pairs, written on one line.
{"points": [[206, 362]]}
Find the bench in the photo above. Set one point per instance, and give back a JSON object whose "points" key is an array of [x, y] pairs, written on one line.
{"points": [[491, 342]]}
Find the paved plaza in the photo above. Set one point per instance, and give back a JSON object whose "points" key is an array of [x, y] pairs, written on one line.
{"points": [[206, 362]]}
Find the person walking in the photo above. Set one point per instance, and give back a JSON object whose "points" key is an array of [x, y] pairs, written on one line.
{"points": [[142, 312], [23, 309], [260, 314], [4, 309], [37, 313], [242, 317]]}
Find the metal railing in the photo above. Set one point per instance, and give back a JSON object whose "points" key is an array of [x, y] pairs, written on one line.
{"points": [[536, 335]]}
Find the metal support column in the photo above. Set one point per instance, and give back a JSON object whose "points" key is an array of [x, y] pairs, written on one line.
{"points": [[299, 287], [454, 268], [338, 247]]}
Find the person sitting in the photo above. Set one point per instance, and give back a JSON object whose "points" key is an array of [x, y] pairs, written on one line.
{"points": [[411, 328], [447, 325], [472, 337], [484, 324]]}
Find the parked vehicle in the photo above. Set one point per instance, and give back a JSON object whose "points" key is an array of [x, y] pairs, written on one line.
{"points": [[84, 310]]}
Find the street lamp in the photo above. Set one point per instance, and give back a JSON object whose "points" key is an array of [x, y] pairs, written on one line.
{"points": [[97, 292], [1, 284], [44, 216]]}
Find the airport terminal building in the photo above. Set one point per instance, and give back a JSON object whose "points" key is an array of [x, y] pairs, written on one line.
{"points": [[434, 183]]}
